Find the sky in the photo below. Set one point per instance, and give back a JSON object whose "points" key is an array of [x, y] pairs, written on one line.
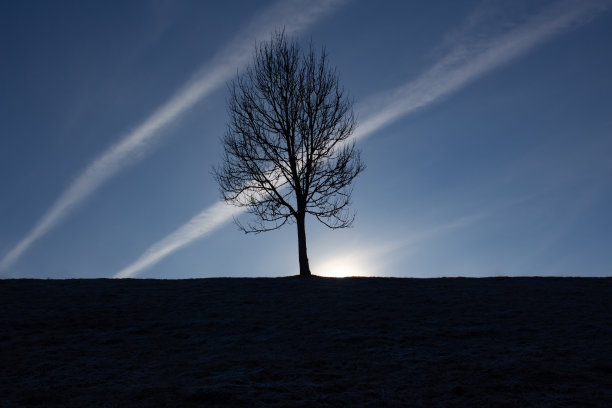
{"points": [[485, 126]]}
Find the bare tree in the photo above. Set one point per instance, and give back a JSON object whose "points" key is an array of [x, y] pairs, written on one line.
{"points": [[287, 151]]}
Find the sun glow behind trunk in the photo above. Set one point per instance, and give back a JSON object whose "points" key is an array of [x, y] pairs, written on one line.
{"points": [[342, 267]]}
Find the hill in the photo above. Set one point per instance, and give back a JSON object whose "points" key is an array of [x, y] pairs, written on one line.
{"points": [[360, 342]]}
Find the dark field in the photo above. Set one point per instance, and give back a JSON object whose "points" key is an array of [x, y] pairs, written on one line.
{"points": [[363, 342]]}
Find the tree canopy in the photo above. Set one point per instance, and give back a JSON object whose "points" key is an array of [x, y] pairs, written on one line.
{"points": [[287, 149]]}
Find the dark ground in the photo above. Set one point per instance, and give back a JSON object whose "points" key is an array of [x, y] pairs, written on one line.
{"points": [[363, 342]]}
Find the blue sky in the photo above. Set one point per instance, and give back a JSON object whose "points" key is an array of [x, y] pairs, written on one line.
{"points": [[486, 128]]}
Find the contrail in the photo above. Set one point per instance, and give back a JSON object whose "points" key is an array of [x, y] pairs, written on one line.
{"points": [[200, 225], [465, 63], [294, 14], [470, 61]]}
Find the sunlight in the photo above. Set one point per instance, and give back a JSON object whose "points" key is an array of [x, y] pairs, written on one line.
{"points": [[341, 267]]}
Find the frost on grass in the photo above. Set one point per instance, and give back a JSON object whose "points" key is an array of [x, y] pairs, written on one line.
{"points": [[511, 342]]}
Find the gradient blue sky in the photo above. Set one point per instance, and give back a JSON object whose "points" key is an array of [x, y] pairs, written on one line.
{"points": [[486, 127]]}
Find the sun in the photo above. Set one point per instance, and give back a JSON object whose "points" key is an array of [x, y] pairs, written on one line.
{"points": [[341, 267]]}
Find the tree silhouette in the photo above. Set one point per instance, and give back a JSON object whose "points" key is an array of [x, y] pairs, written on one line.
{"points": [[287, 151]]}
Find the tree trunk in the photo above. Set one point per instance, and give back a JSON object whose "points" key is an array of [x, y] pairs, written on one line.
{"points": [[301, 227]]}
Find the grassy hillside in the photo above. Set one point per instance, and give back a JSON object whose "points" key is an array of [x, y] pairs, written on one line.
{"points": [[360, 342]]}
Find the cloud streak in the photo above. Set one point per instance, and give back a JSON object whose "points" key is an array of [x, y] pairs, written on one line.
{"points": [[472, 59], [199, 226], [468, 60], [295, 14]]}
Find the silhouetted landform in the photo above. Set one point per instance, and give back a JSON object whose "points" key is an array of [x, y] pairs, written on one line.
{"points": [[362, 342]]}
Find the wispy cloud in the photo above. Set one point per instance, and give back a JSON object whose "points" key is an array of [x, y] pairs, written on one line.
{"points": [[374, 255], [197, 227], [473, 58], [295, 15], [468, 60]]}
